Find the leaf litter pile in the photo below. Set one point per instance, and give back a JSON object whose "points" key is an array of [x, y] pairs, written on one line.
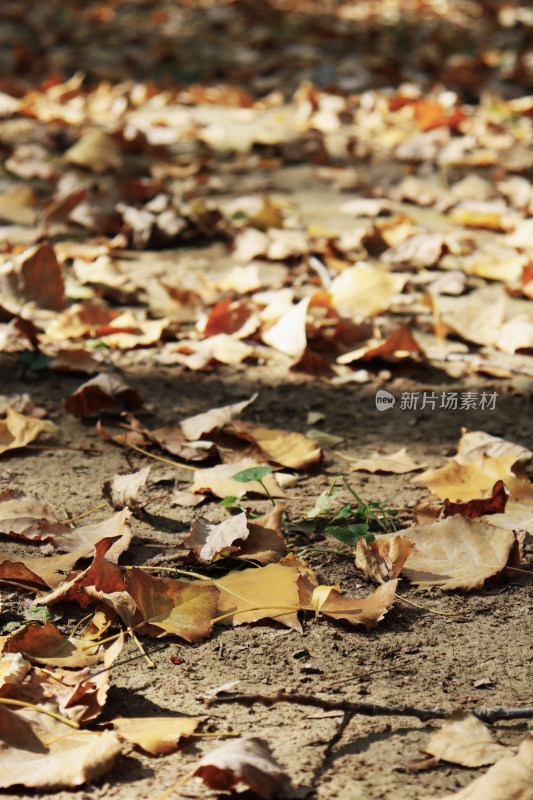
{"points": [[249, 301]]}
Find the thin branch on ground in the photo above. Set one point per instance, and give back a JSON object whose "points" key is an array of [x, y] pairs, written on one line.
{"points": [[351, 709]]}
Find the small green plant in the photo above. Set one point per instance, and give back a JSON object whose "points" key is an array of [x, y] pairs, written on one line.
{"points": [[356, 518], [10, 621], [255, 474]]}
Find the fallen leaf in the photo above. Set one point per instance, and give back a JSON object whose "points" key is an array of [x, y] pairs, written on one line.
{"points": [[462, 482], [288, 335], [38, 573], [382, 560], [18, 430], [75, 361], [293, 450], [122, 491], [269, 592], [47, 754], [34, 276], [510, 778], [155, 735], [27, 517], [86, 537], [105, 391], [365, 290], [219, 481], [96, 150], [478, 445], [367, 611], [44, 644], [401, 344], [477, 508], [214, 419], [398, 462], [248, 761], [18, 205], [181, 608], [464, 739], [456, 553], [210, 539]]}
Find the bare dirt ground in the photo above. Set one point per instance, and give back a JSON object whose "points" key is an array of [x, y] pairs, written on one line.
{"points": [[454, 650]]}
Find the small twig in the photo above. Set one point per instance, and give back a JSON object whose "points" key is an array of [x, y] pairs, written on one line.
{"points": [[350, 709], [141, 649], [159, 458], [85, 513], [430, 610], [41, 710]]}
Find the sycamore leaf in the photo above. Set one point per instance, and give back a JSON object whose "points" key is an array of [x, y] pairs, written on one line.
{"points": [[42, 753], [155, 735], [220, 482], [123, 490], [383, 559], [367, 611], [86, 537], [510, 778], [27, 517], [268, 592], [181, 608], [292, 450], [319, 597], [105, 391], [462, 482], [245, 761], [18, 430], [398, 462], [195, 427], [464, 739], [44, 644], [478, 508], [210, 539], [456, 553], [45, 572]]}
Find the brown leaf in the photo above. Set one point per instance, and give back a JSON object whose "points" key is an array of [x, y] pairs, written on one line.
{"points": [[211, 539], [397, 347], [42, 753], [80, 320], [18, 430], [462, 482], [457, 553], [214, 419], [265, 542], [367, 611], [40, 573], [18, 205], [510, 778], [123, 490], [182, 608], [27, 517], [156, 735], [477, 508], [96, 150], [293, 450], [44, 644], [398, 462], [247, 761], [33, 277], [105, 391], [75, 361], [464, 739], [383, 559]]}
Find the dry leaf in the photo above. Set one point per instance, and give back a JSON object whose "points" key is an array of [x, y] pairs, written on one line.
{"points": [[462, 482], [18, 205], [39, 573], [456, 553], [367, 611], [42, 753], [293, 450], [86, 537], [398, 462], [400, 345], [105, 391], [27, 517], [382, 560], [477, 508], [478, 445], [288, 335], [181, 608], [365, 290], [195, 427], [75, 361], [464, 739], [18, 430], [96, 150], [211, 539], [510, 778], [34, 276], [218, 481], [247, 761], [269, 592], [156, 735], [44, 644], [123, 490]]}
